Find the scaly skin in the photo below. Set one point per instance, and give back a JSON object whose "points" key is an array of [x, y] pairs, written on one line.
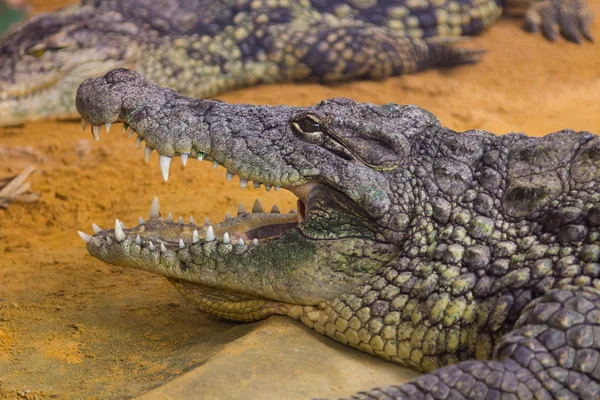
{"points": [[417, 244], [203, 47]]}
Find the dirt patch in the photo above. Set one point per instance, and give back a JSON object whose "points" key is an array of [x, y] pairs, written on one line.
{"points": [[73, 327]]}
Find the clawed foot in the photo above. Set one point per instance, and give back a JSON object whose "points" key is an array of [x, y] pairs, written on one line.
{"points": [[572, 18]]}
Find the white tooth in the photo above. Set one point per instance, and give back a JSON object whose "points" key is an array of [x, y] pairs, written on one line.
{"points": [[192, 222], [195, 237], [96, 228], [151, 246], [255, 242], [241, 209], [243, 183], [131, 133], [122, 224], [206, 221], [277, 188], [107, 125], [119, 234], [83, 124], [165, 162], [109, 241], [257, 207], [241, 241], [155, 208], [275, 209], [200, 156], [229, 176], [170, 217], [226, 238], [96, 132], [227, 216], [215, 164], [147, 153], [180, 220], [96, 242], [210, 234], [140, 220], [292, 211], [268, 187], [138, 240], [138, 142], [163, 248], [125, 127], [181, 244], [86, 238], [256, 185], [184, 157]]}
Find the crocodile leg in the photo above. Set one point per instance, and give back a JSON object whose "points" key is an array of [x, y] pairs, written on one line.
{"points": [[552, 353], [358, 51]]}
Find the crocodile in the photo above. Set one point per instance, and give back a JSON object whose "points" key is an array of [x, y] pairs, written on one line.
{"points": [[204, 47], [471, 257]]}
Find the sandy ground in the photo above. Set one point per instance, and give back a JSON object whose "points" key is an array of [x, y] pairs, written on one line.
{"points": [[73, 327]]}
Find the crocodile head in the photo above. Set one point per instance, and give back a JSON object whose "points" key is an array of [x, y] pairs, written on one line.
{"points": [[346, 162], [43, 61]]}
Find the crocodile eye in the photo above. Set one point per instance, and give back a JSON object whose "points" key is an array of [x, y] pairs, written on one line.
{"points": [[309, 127], [36, 51]]}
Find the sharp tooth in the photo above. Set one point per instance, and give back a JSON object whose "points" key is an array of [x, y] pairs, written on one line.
{"points": [[201, 156], [275, 209], [215, 164], [241, 241], [131, 133], [86, 238], [184, 157], [109, 241], [151, 246], [138, 240], [256, 185], [119, 234], [125, 127], [226, 238], [147, 153], [170, 217], [96, 242], [241, 209], [138, 142], [96, 228], [181, 244], [163, 248], [195, 237], [227, 216], [257, 207], [255, 242], [83, 124], [206, 221], [108, 125], [192, 222], [210, 234], [229, 176], [277, 188], [243, 183], [122, 224], [165, 162], [96, 132], [155, 208], [292, 211], [268, 187], [180, 220], [140, 220]]}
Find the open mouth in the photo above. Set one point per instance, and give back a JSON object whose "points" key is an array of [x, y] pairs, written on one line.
{"points": [[251, 227]]}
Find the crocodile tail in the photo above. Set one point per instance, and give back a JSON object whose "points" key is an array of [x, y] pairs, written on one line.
{"points": [[443, 52]]}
